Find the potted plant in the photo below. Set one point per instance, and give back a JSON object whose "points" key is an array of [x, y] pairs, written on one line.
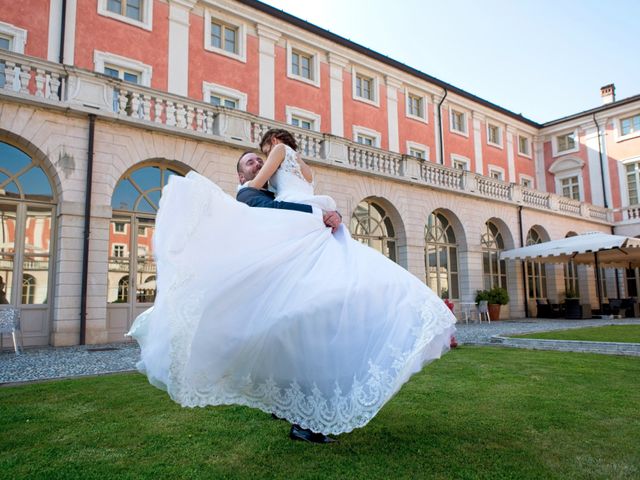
{"points": [[572, 304], [482, 295], [498, 296]]}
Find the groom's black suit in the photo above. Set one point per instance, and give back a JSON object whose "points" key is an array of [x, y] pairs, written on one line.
{"points": [[255, 197]]}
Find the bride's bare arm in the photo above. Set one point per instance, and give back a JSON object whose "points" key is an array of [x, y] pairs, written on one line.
{"points": [[275, 158]]}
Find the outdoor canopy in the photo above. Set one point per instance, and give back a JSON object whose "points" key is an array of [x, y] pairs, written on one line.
{"points": [[597, 248]]}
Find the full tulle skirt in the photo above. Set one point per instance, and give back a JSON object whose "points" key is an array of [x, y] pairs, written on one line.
{"points": [[267, 308]]}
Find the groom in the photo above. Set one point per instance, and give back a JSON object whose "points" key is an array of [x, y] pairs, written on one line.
{"points": [[248, 167]]}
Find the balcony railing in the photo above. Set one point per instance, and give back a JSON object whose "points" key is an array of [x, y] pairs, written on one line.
{"points": [[36, 80]]}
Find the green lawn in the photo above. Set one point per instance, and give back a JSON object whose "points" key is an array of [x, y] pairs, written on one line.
{"points": [[480, 412], [609, 333]]}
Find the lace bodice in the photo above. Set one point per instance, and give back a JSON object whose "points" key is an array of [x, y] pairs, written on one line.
{"points": [[291, 186], [288, 179]]}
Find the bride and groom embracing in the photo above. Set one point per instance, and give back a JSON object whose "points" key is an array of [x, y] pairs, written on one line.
{"points": [[278, 308]]}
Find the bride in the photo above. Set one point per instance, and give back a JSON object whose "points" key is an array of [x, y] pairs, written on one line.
{"points": [[267, 308]]}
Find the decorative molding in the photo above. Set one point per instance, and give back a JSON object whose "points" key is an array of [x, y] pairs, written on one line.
{"points": [[267, 33], [393, 82], [18, 36], [565, 164], [375, 87], [337, 60], [305, 114], [227, 20], [357, 129], [100, 59], [209, 88], [315, 64]]}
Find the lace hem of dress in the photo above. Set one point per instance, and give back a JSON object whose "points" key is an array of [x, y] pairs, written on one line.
{"points": [[341, 413]]}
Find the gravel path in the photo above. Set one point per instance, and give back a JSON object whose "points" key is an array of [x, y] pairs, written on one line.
{"points": [[49, 362]]}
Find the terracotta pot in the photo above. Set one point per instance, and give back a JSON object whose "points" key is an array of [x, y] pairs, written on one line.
{"points": [[494, 311]]}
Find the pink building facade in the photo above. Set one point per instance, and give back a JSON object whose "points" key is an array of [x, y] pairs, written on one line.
{"points": [[179, 85]]}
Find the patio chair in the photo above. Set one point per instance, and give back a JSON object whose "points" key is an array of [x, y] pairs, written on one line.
{"points": [[483, 311], [615, 307], [546, 309], [630, 307], [468, 310], [10, 323]]}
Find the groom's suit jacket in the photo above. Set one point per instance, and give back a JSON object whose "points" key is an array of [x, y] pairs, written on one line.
{"points": [[255, 197]]}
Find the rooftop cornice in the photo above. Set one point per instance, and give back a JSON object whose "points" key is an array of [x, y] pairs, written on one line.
{"points": [[286, 17]]}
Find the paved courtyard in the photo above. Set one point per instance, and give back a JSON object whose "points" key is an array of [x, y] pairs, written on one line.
{"points": [[47, 363]]}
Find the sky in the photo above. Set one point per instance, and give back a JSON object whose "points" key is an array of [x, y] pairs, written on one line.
{"points": [[545, 59]]}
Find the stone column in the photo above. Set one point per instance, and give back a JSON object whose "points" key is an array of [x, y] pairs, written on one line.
{"points": [[178, 58], [336, 67], [55, 27], [510, 133], [70, 33], [538, 158], [267, 71], [478, 120], [393, 85]]}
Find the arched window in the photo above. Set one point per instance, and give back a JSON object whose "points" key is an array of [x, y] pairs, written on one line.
{"points": [[536, 271], [494, 269], [28, 289], [123, 290], [441, 256], [571, 273], [371, 225], [135, 202], [26, 216]]}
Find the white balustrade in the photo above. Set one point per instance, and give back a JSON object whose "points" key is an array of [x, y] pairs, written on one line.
{"points": [[441, 176], [494, 188], [569, 205], [535, 198], [40, 79], [374, 160]]}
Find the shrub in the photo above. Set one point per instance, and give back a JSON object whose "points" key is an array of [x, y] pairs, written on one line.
{"points": [[570, 293], [498, 295], [482, 295]]}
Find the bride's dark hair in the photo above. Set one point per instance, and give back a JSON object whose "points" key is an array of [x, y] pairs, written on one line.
{"points": [[283, 135]]}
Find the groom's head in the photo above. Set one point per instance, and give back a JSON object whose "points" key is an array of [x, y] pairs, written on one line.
{"points": [[248, 166]]}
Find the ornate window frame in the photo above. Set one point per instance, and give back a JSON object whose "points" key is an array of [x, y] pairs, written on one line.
{"points": [[102, 59], [147, 15], [227, 20], [209, 88], [18, 36]]}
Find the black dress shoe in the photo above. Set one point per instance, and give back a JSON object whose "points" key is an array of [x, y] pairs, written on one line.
{"points": [[306, 435]]}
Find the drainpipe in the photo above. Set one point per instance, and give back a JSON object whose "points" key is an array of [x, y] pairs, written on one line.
{"points": [[62, 31], [604, 194], [87, 232], [524, 273], [441, 144]]}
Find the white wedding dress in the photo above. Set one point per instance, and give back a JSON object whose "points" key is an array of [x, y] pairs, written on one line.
{"points": [[267, 308]]}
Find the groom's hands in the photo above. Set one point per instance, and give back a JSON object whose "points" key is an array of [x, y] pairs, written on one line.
{"points": [[332, 219]]}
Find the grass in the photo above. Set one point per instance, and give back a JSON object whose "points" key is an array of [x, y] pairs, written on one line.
{"points": [[609, 333], [480, 412]]}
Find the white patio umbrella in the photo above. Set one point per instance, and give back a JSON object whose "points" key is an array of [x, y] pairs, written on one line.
{"points": [[595, 248], [603, 248]]}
